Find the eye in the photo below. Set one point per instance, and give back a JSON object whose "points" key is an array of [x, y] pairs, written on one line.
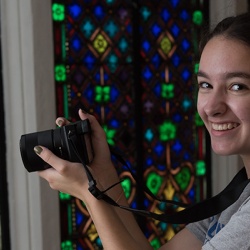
{"points": [[204, 85], [238, 86]]}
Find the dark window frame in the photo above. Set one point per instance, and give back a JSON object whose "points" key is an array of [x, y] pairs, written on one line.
{"points": [[4, 206]]}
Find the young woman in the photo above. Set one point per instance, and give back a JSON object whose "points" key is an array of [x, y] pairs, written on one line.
{"points": [[224, 106]]}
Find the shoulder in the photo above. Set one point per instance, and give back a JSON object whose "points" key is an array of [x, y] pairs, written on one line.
{"points": [[235, 230], [206, 229], [246, 194]]}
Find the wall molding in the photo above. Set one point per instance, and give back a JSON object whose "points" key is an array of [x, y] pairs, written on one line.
{"points": [[29, 99]]}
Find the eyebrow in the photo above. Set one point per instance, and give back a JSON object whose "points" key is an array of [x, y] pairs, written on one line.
{"points": [[227, 75]]}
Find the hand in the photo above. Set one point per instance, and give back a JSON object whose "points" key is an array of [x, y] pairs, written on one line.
{"points": [[70, 177], [64, 176]]}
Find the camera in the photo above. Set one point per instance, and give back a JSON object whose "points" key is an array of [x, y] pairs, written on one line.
{"points": [[71, 142]]}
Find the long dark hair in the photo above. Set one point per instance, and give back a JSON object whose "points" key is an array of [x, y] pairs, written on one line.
{"points": [[234, 27]]}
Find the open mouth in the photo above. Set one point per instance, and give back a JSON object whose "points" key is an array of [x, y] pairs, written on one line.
{"points": [[224, 126]]}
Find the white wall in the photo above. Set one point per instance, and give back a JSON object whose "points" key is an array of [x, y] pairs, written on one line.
{"points": [[29, 100], [30, 106]]}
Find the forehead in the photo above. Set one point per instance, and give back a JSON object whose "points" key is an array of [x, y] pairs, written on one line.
{"points": [[222, 55]]}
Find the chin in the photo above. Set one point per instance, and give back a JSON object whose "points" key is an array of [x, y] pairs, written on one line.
{"points": [[224, 151]]}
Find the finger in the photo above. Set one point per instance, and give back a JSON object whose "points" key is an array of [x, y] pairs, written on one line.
{"points": [[83, 114], [52, 177], [98, 136], [93, 121], [47, 174], [61, 121], [50, 158]]}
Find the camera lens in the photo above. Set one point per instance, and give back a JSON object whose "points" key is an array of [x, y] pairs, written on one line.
{"points": [[71, 142], [31, 161]]}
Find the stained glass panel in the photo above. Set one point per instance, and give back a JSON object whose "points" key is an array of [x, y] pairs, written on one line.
{"points": [[133, 65]]}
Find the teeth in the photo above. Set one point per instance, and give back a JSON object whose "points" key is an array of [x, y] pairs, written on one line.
{"points": [[225, 126]]}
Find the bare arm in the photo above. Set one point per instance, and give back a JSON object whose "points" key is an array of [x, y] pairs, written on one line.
{"points": [[117, 228], [184, 240]]}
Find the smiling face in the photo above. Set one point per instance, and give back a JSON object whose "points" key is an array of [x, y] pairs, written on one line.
{"points": [[224, 95]]}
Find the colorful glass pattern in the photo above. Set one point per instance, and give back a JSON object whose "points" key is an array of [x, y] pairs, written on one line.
{"points": [[133, 65]]}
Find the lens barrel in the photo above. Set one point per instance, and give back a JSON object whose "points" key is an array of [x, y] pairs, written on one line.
{"points": [[77, 148], [27, 143]]}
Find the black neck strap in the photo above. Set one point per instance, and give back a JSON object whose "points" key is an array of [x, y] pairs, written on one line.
{"points": [[195, 212], [206, 208], [191, 213]]}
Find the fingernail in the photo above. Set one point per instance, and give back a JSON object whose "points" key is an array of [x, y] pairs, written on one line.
{"points": [[38, 150], [60, 123]]}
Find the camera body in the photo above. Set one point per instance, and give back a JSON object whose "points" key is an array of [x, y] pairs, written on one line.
{"points": [[64, 142]]}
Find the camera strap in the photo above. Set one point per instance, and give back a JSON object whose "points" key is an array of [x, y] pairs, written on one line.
{"points": [[198, 211], [192, 213]]}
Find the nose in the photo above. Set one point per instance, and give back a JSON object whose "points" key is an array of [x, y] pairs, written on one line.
{"points": [[214, 104]]}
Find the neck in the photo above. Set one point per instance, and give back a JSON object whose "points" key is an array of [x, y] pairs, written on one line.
{"points": [[246, 162]]}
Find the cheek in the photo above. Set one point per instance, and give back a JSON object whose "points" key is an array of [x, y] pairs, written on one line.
{"points": [[244, 117], [243, 114], [200, 108]]}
